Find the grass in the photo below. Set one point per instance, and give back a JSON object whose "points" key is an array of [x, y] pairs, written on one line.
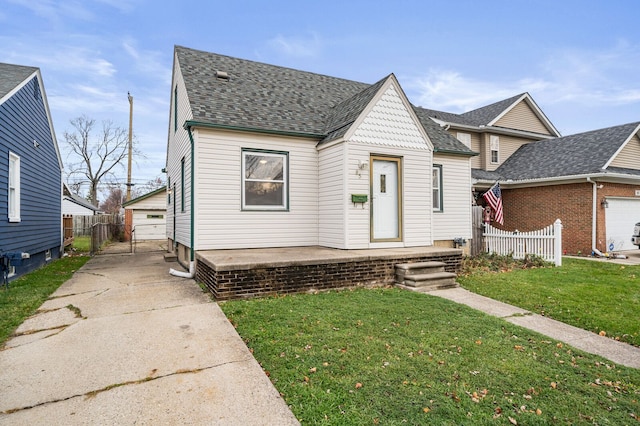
{"points": [[82, 244], [388, 356], [28, 292], [595, 296]]}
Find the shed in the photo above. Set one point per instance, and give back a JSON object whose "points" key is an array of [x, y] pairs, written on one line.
{"points": [[145, 216]]}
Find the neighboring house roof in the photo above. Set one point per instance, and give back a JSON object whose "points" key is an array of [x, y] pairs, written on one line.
{"points": [[488, 115], [76, 199], [579, 154], [81, 202], [12, 77], [231, 93], [144, 197]]}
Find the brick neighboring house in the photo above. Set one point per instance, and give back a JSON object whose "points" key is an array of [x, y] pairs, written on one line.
{"points": [[544, 176], [590, 181]]}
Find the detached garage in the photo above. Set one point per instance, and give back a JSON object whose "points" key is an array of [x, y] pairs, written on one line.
{"points": [[145, 216]]}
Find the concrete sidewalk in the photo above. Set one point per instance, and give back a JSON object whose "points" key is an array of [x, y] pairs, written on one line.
{"points": [[618, 352], [123, 342]]}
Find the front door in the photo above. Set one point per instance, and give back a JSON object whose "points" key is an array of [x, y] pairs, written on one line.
{"points": [[385, 199]]}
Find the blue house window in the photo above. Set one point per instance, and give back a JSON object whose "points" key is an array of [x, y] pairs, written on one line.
{"points": [[14, 188]]}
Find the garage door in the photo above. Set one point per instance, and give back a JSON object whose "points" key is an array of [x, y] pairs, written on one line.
{"points": [[621, 216], [150, 224]]}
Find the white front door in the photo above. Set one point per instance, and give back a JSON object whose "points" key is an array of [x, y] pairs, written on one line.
{"points": [[385, 201]]}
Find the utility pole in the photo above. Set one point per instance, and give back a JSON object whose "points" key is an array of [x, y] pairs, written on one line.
{"points": [[130, 145]]}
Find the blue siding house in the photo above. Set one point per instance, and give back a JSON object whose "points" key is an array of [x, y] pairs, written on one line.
{"points": [[30, 171]]}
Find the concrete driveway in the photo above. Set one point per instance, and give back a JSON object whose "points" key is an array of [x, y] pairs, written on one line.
{"points": [[123, 342]]}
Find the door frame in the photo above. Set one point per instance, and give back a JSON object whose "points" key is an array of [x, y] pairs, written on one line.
{"points": [[398, 161]]}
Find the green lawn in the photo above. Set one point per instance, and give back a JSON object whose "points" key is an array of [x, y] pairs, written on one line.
{"points": [[388, 356], [28, 292], [82, 243], [595, 296]]}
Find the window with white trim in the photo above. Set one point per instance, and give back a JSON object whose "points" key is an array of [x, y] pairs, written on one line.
{"points": [[495, 149], [14, 188], [465, 138], [264, 180], [437, 187]]}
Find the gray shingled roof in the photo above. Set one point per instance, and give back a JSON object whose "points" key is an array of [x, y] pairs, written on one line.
{"points": [[485, 175], [442, 140], [582, 153], [260, 96], [12, 75], [486, 114], [270, 98], [478, 117]]}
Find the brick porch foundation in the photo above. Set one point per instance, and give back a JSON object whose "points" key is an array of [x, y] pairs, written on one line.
{"points": [[245, 280]]}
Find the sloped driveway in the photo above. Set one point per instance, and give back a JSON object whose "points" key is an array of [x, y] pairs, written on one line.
{"points": [[124, 342]]}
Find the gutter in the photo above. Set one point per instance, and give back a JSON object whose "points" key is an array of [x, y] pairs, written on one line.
{"points": [[192, 263], [190, 123]]}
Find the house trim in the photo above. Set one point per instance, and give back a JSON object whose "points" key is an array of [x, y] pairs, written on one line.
{"points": [[536, 110], [494, 129], [622, 146], [192, 124]]}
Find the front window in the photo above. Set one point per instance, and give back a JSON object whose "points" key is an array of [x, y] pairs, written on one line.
{"points": [[14, 188], [437, 188], [264, 180]]}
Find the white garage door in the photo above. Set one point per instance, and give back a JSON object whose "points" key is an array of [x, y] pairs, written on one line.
{"points": [[150, 224], [621, 216]]}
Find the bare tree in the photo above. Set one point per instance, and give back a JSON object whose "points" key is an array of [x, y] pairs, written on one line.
{"points": [[113, 203], [94, 155], [150, 186]]}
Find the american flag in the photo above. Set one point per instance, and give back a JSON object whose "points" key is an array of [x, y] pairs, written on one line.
{"points": [[494, 198]]}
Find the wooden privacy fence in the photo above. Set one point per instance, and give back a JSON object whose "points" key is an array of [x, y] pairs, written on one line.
{"points": [[545, 243], [82, 225]]}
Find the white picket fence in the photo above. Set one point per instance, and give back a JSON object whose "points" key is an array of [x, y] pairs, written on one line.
{"points": [[546, 242]]}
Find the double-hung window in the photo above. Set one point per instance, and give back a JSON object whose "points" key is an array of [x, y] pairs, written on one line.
{"points": [[437, 188], [265, 180], [495, 149], [14, 188]]}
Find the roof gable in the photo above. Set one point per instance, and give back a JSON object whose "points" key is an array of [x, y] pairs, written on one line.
{"points": [[389, 119], [525, 115], [146, 196], [12, 78], [518, 112]]}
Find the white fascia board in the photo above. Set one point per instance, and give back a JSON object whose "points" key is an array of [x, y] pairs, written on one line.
{"points": [[635, 132]]}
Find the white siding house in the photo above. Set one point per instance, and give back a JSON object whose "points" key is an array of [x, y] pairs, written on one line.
{"points": [[286, 158]]}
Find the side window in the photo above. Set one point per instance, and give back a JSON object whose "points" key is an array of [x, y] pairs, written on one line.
{"points": [[14, 188], [465, 138], [264, 180], [175, 109], [182, 185], [437, 188], [495, 149]]}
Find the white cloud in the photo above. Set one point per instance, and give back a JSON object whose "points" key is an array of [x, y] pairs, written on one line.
{"points": [[308, 46], [570, 77]]}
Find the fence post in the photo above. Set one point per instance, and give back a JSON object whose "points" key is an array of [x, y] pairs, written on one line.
{"points": [[557, 233]]}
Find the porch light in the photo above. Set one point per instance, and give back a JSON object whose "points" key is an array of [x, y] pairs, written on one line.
{"points": [[604, 203]]}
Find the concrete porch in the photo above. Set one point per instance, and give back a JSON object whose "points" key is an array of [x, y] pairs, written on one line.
{"points": [[243, 273]]}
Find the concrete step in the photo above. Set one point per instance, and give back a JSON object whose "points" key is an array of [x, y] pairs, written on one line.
{"points": [[432, 281], [170, 257], [418, 268]]}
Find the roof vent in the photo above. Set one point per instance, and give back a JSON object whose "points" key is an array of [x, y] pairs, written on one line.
{"points": [[222, 75]]}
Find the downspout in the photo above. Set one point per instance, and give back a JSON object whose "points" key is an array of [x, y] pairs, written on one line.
{"points": [[192, 263], [593, 216]]}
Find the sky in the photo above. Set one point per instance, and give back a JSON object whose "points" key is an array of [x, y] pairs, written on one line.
{"points": [[578, 59]]}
